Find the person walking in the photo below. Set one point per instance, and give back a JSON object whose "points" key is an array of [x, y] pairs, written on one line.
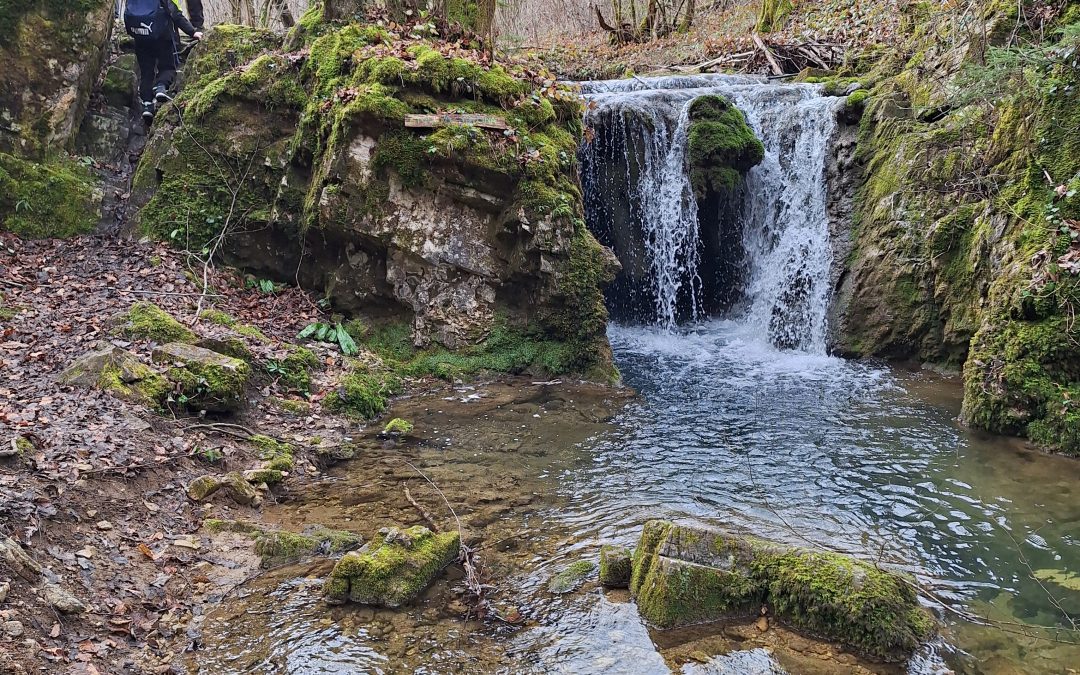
{"points": [[155, 25], [195, 13]]}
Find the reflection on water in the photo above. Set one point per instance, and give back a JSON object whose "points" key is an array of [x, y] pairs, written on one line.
{"points": [[799, 448]]}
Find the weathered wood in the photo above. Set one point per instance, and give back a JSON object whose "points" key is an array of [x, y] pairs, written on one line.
{"points": [[447, 119], [777, 70]]}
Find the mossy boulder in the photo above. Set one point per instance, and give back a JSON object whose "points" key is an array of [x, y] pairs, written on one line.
{"points": [[615, 566], [721, 146], [394, 569], [684, 575], [118, 372], [205, 380], [363, 392], [449, 226]]}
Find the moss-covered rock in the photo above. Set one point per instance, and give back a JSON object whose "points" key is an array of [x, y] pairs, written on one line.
{"points": [[279, 546], [204, 380], [398, 426], [721, 146], [960, 223], [58, 198], [449, 226], [363, 392], [683, 575], [119, 373], [615, 566], [393, 570], [571, 577], [51, 52], [147, 321]]}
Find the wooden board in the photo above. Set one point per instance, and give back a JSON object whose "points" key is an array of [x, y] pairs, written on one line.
{"points": [[446, 119]]}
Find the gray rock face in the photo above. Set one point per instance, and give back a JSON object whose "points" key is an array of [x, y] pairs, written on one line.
{"points": [[50, 61]]}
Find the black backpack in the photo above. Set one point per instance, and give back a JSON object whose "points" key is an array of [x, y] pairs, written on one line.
{"points": [[147, 19]]}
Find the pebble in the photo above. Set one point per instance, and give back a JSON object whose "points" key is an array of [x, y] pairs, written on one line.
{"points": [[104, 525], [4, 588], [63, 601], [13, 628]]}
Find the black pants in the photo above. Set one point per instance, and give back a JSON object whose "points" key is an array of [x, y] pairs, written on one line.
{"points": [[195, 13], [157, 64]]}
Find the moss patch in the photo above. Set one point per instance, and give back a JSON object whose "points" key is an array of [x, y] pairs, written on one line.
{"points": [[363, 392], [147, 321], [721, 145], [685, 575], [57, 198], [393, 571]]}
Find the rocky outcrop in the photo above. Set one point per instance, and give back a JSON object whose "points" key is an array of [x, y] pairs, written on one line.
{"points": [[967, 216], [207, 380], [684, 575], [118, 372], [51, 54], [615, 566], [393, 570], [300, 152]]}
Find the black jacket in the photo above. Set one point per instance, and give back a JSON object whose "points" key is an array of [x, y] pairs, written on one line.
{"points": [[178, 18]]}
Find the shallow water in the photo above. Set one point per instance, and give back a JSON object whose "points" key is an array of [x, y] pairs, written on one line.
{"points": [[806, 449]]}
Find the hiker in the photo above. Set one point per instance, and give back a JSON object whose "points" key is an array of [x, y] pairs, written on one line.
{"points": [[195, 13], [155, 25]]}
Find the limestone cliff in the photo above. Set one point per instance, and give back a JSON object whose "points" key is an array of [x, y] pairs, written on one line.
{"points": [[966, 218], [291, 157]]}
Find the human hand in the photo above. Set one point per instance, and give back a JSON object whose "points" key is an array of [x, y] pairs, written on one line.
{"points": [[197, 35]]}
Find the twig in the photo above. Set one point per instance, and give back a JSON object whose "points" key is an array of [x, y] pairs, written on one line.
{"points": [[427, 516]]}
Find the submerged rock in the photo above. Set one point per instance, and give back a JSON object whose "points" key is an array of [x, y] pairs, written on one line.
{"points": [[207, 380], [394, 570], [572, 577], [684, 575], [615, 566]]}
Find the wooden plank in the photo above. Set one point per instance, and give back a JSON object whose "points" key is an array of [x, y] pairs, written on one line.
{"points": [[447, 119]]}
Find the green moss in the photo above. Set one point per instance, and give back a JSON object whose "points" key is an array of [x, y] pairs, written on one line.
{"points": [[363, 393], [395, 571], [686, 575], [398, 426], [279, 546], [616, 566], [205, 380], [45, 200], [278, 455], [13, 11], [218, 317], [290, 406], [721, 145], [570, 578], [856, 100], [137, 382], [147, 321]]}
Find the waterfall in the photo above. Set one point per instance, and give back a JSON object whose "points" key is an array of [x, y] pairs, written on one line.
{"points": [[767, 246]]}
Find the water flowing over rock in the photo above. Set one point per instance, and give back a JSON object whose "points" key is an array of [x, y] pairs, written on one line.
{"points": [[761, 250]]}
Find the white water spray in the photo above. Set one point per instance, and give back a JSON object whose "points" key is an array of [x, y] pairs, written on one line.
{"points": [[782, 209]]}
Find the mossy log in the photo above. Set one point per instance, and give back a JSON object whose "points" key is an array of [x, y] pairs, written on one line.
{"points": [[684, 575]]}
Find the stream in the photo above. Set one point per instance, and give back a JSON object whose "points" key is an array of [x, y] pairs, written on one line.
{"points": [[726, 428], [796, 447]]}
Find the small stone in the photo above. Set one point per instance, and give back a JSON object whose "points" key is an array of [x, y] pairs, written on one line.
{"points": [[104, 525], [572, 577], [202, 487], [762, 624], [61, 600], [85, 552], [5, 587], [239, 489], [17, 559], [13, 629]]}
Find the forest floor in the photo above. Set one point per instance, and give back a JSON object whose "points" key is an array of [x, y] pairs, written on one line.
{"points": [[857, 27], [93, 487]]}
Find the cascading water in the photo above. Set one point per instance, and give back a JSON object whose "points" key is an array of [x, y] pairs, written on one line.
{"points": [[640, 201]]}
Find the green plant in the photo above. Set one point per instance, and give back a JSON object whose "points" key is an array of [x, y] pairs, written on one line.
{"points": [[208, 455], [398, 426], [332, 334]]}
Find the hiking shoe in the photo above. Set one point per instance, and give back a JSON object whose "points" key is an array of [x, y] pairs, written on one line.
{"points": [[161, 96], [147, 110]]}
